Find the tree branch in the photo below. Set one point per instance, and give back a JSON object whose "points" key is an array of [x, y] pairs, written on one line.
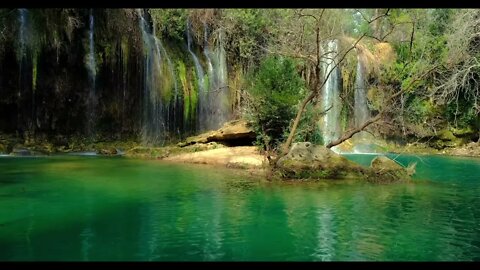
{"points": [[314, 92], [349, 134]]}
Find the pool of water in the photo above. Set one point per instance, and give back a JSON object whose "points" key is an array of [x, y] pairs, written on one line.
{"points": [[92, 209]]}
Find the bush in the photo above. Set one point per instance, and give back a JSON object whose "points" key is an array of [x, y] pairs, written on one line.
{"points": [[462, 116], [418, 110], [276, 90]]}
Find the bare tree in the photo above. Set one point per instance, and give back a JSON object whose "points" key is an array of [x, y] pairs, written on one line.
{"points": [[318, 79], [386, 108], [460, 75]]}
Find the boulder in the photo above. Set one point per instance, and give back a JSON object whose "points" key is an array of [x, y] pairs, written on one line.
{"points": [[7, 143], [446, 139], [385, 169], [471, 149], [383, 162], [235, 132], [108, 151], [308, 161]]}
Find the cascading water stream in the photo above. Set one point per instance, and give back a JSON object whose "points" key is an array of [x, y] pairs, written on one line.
{"points": [[206, 52], [222, 62], [91, 67], [174, 119], [25, 96], [202, 95], [198, 67], [360, 106], [214, 109], [221, 89], [154, 125], [170, 66], [91, 56], [22, 14], [207, 106], [362, 140], [22, 38], [331, 96]]}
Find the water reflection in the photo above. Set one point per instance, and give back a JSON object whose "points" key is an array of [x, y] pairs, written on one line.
{"points": [[324, 250], [116, 209], [87, 233]]}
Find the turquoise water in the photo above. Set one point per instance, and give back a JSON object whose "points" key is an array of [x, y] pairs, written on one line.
{"points": [[94, 209]]}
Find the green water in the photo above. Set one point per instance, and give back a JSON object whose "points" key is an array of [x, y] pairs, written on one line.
{"points": [[92, 208]]}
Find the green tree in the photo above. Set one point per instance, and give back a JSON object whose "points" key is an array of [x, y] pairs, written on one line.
{"points": [[276, 91]]}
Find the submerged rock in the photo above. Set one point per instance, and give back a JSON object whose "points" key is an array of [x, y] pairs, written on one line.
{"points": [[235, 132]]}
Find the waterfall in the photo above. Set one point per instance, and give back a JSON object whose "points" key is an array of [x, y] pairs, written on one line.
{"points": [[22, 36], [91, 67], [202, 95], [27, 80], [222, 62], [176, 100], [91, 54], [153, 124], [22, 17], [170, 65], [213, 102], [220, 89], [362, 140], [206, 52], [205, 114], [360, 107], [331, 94]]}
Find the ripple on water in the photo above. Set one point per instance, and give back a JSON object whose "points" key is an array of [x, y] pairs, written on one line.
{"points": [[139, 210]]}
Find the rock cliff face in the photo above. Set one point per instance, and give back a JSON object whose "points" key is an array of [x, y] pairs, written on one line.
{"points": [[232, 133]]}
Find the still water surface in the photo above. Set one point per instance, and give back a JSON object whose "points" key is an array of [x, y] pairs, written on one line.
{"points": [[94, 209]]}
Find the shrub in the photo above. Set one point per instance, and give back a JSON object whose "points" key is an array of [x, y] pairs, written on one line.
{"points": [[276, 90]]}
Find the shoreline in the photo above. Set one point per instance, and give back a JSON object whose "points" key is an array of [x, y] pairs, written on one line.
{"points": [[155, 153]]}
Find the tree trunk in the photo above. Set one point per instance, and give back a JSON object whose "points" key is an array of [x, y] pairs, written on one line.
{"points": [[304, 104], [376, 27]]}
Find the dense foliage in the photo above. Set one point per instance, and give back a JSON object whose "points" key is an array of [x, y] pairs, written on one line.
{"points": [[433, 62], [275, 92]]}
